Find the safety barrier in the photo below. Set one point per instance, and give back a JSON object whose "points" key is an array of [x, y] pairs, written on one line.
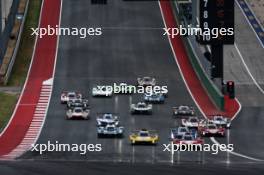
{"points": [[11, 53], [4, 37], [214, 93]]}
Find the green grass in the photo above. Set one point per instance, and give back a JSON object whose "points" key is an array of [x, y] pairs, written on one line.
{"points": [[7, 105], [26, 47]]}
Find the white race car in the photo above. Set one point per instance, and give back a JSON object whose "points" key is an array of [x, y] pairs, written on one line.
{"points": [[221, 121], [141, 108], [107, 119], [110, 131], [146, 81], [66, 96], [102, 91], [192, 122], [77, 103], [78, 113], [183, 110]]}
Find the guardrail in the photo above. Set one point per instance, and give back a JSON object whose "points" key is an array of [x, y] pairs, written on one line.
{"points": [[213, 92], [6, 68]]}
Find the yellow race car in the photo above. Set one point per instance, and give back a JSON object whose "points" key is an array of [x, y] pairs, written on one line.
{"points": [[144, 136]]}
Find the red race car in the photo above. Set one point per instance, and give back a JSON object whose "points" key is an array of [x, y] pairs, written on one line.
{"points": [[212, 130], [188, 139]]}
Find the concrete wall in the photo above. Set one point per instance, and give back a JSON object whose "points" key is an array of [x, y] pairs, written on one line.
{"points": [[8, 13], [5, 9]]}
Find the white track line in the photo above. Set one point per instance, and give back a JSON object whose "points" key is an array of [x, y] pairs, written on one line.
{"points": [[235, 153], [240, 107], [39, 117], [7, 157], [53, 75], [24, 86], [250, 74], [31, 134]]}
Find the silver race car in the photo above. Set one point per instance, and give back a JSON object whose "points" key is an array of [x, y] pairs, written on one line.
{"points": [[66, 96], [183, 110], [102, 91], [146, 81], [179, 131], [110, 131], [107, 119], [72, 103], [141, 108], [221, 121], [192, 122], [78, 113]]}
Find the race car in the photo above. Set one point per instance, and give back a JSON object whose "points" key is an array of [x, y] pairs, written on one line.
{"points": [[211, 130], [77, 113], [124, 88], [179, 131], [110, 131], [221, 121], [183, 110], [188, 139], [77, 103], [66, 96], [191, 122], [141, 108], [107, 119], [154, 98], [144, 136], [102, 91], [146, 81]]}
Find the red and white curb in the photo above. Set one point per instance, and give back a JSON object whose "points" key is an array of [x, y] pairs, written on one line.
{"points": [[36, 123]]}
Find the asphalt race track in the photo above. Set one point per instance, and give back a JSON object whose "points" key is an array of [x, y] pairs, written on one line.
{"points": [[83, 168], [132, 45]]}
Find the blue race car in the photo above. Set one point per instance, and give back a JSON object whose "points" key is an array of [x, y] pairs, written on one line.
{"points": [[177, 132], [154, 98]]}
